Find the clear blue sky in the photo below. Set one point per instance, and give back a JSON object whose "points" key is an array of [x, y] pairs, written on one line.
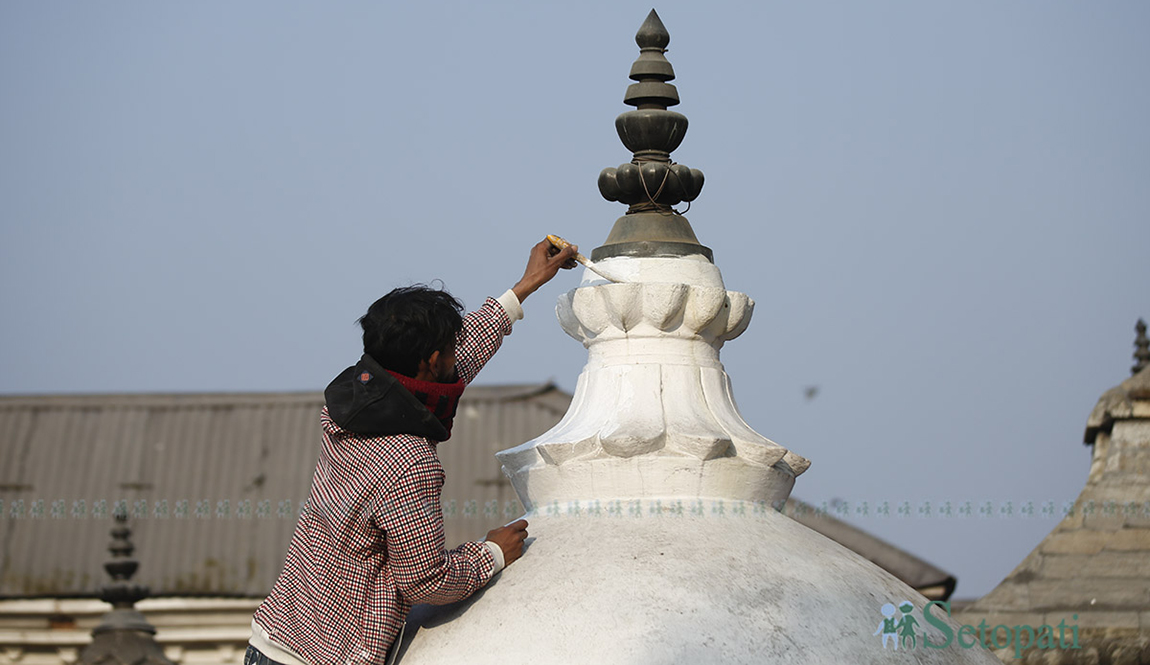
{"points": [[941, 210]]}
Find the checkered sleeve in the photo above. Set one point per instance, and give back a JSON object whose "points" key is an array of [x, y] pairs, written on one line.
{"points": [[423, 570], [482, 334]]}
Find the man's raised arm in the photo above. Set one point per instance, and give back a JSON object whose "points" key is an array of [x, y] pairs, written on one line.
{"points": [[484, 329]]}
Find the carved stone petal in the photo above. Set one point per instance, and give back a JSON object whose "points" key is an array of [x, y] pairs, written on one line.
{"points": [[636, 426], [591, 405], [567, 319], [585, 308], [740, 317], [558, 452], [663, 304], [691, 428], [747, 443], [703, 304], [798, 463], [622, 304]]}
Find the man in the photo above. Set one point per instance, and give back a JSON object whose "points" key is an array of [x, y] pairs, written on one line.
{"points": [[370, 543]]}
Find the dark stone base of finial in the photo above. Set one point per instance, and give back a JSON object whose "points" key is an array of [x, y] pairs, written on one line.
{"points": [[651, 234], [123, 646], [124, 619]]}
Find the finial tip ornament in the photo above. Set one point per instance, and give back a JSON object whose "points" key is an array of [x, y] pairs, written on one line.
{"points": [[653, 34]]}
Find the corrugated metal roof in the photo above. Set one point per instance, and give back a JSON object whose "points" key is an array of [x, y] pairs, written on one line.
{"points": [[212, 482]]}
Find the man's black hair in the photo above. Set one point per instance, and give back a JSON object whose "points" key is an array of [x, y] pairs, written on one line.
{"points": [[408, 325]]}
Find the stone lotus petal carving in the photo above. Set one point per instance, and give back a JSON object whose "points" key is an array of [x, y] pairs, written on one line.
{"points": [[622, 304], [705, 312], [703, 306], [739, 317], [686, 410], [663, 305], [797, 462], [747, 443], [653, 411], [637, 426]]}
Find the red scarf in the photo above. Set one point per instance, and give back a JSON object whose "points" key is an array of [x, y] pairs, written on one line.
{"points": [[441, 399]]}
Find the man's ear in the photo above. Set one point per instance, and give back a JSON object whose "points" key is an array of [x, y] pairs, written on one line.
{"points": [[427, 369]]}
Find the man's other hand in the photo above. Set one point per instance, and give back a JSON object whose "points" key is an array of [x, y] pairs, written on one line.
{"points": [[543, 264], [510, 539]]}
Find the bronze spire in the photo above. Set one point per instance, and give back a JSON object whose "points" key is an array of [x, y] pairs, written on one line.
{"points": [[651, 183]]}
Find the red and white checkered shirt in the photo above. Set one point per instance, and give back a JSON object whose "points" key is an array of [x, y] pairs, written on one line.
{"points": [[371, 543]]}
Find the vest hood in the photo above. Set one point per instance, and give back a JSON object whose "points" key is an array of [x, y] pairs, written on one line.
{"points": [[366, 399]]}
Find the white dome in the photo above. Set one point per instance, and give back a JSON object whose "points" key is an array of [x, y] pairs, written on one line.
{"points": [[728, 588]]}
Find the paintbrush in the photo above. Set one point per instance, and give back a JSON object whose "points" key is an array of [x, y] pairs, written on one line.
{"points": [[560, 243]]}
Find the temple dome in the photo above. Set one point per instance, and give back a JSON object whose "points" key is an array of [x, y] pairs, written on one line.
{"points": [[654, 530], [755, 587]]}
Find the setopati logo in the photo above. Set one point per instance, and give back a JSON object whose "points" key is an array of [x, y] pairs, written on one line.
{"points": [[901, 629]]}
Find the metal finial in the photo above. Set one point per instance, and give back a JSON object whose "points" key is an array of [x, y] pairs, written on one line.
{"points": [[653, 34], [121, 568], [1141, 348], [651, 183], [123, 635], [652, 70]]}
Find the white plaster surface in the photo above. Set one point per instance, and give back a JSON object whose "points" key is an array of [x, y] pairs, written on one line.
{"points": [[653, 422], [653, 414], [756, 588], [694, 269]]}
